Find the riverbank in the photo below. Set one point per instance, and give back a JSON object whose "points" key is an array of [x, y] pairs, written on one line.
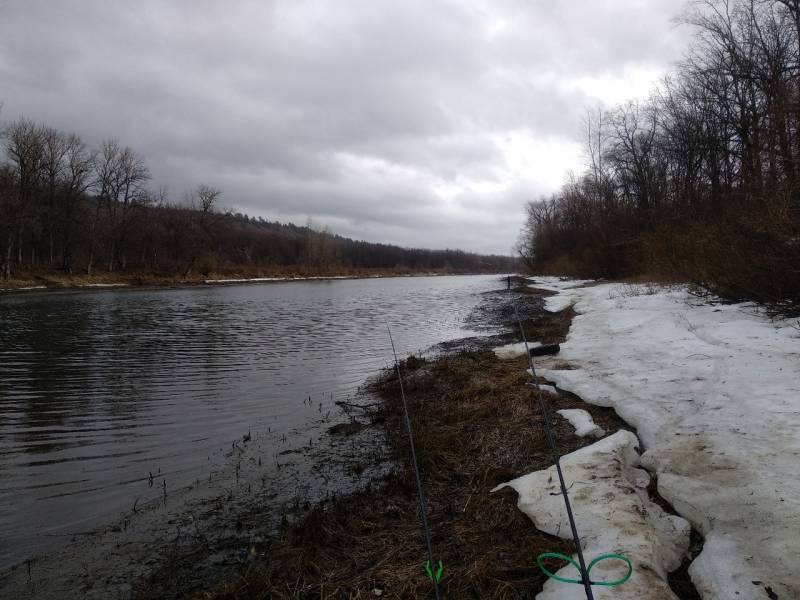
{"points": [[476, 427], [44, 281]]}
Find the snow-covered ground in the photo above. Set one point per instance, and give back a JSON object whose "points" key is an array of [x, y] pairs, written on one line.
{"points": [[614, 514], [510, 351], [552, 389], [714, 393], [581, 420]]}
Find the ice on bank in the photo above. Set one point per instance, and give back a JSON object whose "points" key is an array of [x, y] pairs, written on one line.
{"points": [[582, 422], [510, 351], [614, 514], [714, 393]]}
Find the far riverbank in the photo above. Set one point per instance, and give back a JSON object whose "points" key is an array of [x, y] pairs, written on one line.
{"points": [[39, 282]]}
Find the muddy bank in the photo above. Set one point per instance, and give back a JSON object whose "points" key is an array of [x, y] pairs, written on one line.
{"points": [[176, 542], [475, 426]]}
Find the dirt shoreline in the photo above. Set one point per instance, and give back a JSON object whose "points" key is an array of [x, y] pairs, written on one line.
{"points": [[475, 426]]}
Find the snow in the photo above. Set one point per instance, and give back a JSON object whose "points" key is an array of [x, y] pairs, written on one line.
{"points": [[247, 280], [556, 284], [510, 351], [714, 393], [268, 279], [582, 422], [613, 514], [557, 303]]}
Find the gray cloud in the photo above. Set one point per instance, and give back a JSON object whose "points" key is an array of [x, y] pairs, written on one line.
{"points": [[419, 123]]}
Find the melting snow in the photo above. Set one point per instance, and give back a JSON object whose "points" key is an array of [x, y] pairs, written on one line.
{"points": [[510, 351], [714, 392], [613, 513], [582, 422]]}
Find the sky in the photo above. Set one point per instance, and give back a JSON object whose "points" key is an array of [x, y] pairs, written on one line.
{"points": [[423, 123]]}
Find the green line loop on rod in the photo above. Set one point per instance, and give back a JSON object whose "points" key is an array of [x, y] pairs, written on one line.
{"points": [[568, 559], [434, 576]]}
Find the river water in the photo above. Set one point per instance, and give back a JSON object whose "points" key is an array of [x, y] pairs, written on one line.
{"points": [[109, 396]]}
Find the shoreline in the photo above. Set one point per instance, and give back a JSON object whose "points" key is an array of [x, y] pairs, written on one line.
{"points": [[84, 284], [203, 531], [475, 427]]}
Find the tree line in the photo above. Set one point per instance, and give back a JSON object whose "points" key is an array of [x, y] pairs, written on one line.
{"points": [[68, 208], [701, 181]]}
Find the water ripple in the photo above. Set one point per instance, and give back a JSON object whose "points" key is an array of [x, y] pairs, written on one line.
{"points": [[100, 389]]}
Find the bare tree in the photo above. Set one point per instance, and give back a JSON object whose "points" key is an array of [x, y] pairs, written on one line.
{"points": [[53, 167], [25, 149], [202, 220], [76, 181], [120, 177], [205, 198], [132, 194], [320, 249]]}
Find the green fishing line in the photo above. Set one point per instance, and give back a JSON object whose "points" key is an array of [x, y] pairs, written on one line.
{"points": [[602, 557], [436, 577]]}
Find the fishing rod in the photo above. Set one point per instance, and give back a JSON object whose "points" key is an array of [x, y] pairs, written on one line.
{"points": [[584, 571], [434, 574]]}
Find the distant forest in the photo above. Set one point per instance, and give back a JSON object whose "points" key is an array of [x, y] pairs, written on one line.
{"points": [[67, 208], [701, 182]]}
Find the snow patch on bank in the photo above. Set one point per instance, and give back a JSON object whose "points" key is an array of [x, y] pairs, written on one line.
{"points": [[582, 422], [714, 393], [268, 279], [558, 303], [556, 284], [510, 351], [247, 280], [613, 513]]}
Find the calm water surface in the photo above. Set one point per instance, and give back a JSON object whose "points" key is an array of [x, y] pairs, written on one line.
{"points": [[99, 389]]}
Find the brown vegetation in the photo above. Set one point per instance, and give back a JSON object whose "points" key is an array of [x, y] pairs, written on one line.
{"points": [[476, 425], [701, 182]]}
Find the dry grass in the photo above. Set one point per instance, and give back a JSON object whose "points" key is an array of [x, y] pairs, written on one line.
{"points": [[549, 328], [475, 426]]}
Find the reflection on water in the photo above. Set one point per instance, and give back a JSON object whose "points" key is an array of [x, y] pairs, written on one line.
{"points": [[98, 390]]}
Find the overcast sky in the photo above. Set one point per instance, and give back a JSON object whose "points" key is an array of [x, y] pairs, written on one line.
{"points": [[416, 122]]}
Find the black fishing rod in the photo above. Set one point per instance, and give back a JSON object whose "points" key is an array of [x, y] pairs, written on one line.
{"points": [[434, 574], [556, 461], [585, 580]]}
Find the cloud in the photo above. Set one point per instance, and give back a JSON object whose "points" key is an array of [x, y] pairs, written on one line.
{"points": [[419, 123]]}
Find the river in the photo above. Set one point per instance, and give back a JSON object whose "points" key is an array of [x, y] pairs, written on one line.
{"points": [[111, 396]]}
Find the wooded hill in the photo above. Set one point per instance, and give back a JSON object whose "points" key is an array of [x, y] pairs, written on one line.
{"points": [[701, 182], [66, 208]]}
